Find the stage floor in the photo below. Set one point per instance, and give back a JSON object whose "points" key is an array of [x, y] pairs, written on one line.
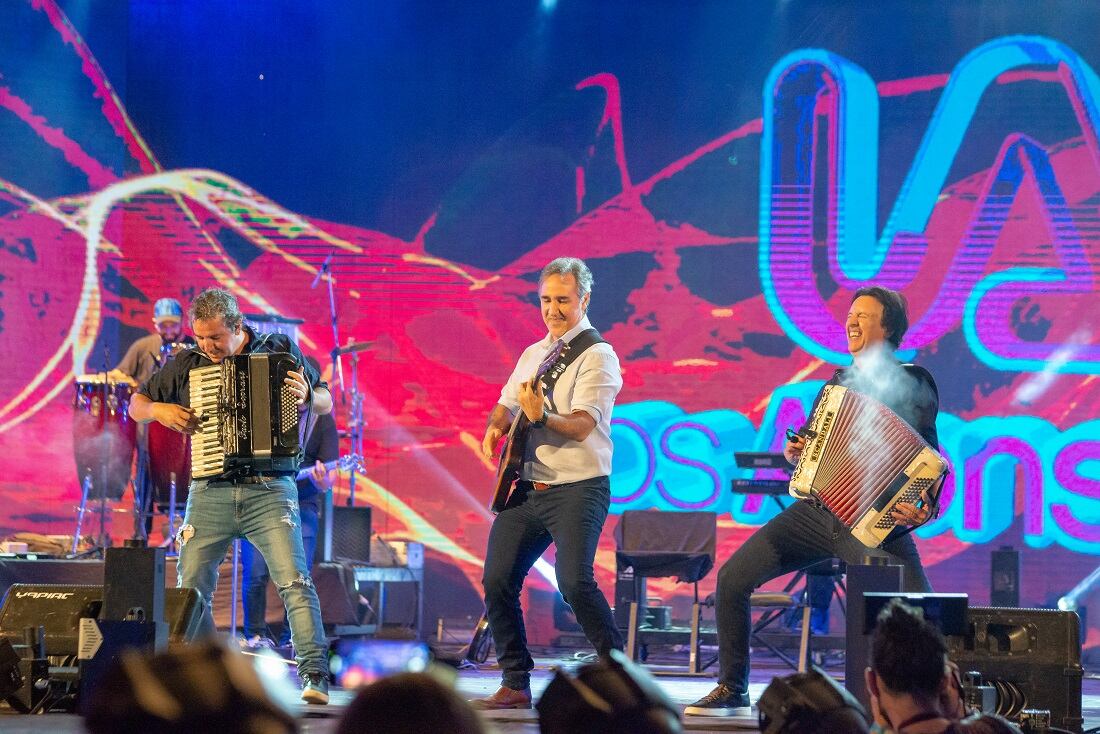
{"points": [[474, 683]]}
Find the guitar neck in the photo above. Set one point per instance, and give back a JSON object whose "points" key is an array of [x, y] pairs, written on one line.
{"points": [[304, 473]]}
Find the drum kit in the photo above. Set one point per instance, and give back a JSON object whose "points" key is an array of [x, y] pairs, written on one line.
{"points": [[105, 440]]}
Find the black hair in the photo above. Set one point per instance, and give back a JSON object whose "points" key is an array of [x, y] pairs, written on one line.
{"points": [[895, 311], [409, 703], [202, 686], [808, 703], [908, 653]]}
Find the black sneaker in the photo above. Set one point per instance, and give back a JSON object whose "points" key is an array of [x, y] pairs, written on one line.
{"points": [[722, 701], [314, 688]]}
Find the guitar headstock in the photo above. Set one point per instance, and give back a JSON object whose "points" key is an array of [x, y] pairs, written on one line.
{"points": [[351, 462], [550, 358]]}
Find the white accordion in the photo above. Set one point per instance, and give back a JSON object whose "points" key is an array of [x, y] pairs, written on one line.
{"points": [[860, 460]]}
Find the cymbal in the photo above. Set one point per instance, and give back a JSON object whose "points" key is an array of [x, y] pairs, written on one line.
{"points": [[352, 347]]}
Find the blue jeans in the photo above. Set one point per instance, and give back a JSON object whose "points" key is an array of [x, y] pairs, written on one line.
{"points": [[571, 516], [267, 515], [256, 576], [798, 537]]}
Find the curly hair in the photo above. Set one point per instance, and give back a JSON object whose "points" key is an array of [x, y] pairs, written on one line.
{"points": [[213, 303], [409, 703]]}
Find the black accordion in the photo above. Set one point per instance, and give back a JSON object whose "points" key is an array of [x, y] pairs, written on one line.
{"points": [[248, 417]]}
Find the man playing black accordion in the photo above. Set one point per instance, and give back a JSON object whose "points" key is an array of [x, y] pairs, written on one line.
{"points": [[259, 506]]}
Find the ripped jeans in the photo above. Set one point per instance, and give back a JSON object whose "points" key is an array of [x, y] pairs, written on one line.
{"points": [[267, 515], [255, 576]]}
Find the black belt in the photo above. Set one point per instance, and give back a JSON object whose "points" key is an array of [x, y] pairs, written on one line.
{"points": [[253, 479]]}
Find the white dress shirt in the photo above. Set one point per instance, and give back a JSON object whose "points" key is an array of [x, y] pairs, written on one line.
{"points": [[590, 384]]}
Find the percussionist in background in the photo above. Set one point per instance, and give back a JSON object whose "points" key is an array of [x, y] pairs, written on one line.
{"points": [[149, 353], [144, 357]]}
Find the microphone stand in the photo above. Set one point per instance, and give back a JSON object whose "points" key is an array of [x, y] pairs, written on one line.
{"points": [[355, 424], [338, 376], [355, 409], [337, 366]]}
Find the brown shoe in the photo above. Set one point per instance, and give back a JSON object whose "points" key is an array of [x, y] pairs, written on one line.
{"points": [[504, 698]]}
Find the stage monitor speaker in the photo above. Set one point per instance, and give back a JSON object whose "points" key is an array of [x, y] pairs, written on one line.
{"points": [[11, 677], [872, 576], [1031, 656], [946, 611], [133, 578], [59, 607], [183, 611], [626, 591], [351, 534], [103, 641], [56, 607]]}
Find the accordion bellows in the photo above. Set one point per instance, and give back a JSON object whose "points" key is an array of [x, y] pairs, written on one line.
{"points": [[861, 460]]}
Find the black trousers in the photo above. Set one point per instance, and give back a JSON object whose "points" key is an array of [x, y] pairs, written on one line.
{"points": [[801, 535], [571, 516]]}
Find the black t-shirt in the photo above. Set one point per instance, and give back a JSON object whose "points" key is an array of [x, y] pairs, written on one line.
{"points": [[322, 445], [172, 383], [906, 389]]}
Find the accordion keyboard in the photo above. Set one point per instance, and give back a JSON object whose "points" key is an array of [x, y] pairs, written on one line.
{"points": [[207, 451]]}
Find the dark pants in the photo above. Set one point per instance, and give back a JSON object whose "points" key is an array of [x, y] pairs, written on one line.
{"points": [[571, 516], [143, 486], [256, 576], [797, 537]]}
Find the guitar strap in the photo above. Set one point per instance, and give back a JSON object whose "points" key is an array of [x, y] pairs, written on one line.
{"points": [[577, 346]]}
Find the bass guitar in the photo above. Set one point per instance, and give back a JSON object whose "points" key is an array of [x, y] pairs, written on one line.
{"points": [[351, 462]]}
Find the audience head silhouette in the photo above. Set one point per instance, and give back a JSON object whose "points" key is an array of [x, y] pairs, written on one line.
{"points": [[204, 686], [409, 703]]}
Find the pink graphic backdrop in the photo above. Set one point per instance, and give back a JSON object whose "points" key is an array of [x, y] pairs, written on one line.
{"points": [[94, 228]]}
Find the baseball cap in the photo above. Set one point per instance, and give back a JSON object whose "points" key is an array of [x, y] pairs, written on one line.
{"points": [[168, 309]]}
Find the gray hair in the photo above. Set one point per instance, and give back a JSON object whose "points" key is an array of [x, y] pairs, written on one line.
{"points": [[570, 266], [213, 303]]}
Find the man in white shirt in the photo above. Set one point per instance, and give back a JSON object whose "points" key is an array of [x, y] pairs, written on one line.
{"points": [[564, 491]]}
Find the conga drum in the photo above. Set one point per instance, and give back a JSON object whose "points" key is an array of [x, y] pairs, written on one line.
{"points": [[103, 435], [169, 460], [169, 451]]}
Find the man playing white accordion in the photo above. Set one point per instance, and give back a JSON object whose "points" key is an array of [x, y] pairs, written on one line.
{"points": [[805, 532]]}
